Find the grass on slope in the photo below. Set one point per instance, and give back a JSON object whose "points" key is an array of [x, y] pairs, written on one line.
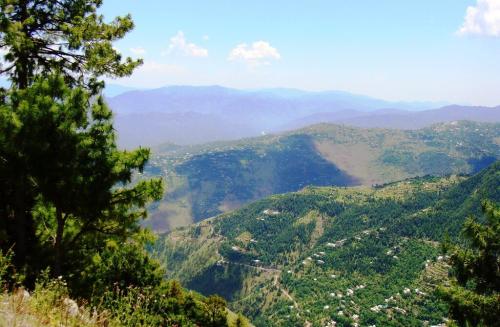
{"points": [[47, 306]]}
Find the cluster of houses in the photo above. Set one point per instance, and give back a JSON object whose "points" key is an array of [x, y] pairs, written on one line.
{"points": [[406, 292], [337, 244], [271, 212], [392, 252], [354, 317], [268, 212], [349, 292], [316, 259], [221, 262], [417, 291], [378, 308]]}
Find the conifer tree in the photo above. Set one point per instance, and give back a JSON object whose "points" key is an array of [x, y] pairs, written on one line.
{"points": [[216, 311], [68, 36], [474, 293], [58, 152], [72, 158], [40, 38]]}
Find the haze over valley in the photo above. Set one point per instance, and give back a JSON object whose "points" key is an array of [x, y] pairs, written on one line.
{"points": [[254, 163], [193, 115]]}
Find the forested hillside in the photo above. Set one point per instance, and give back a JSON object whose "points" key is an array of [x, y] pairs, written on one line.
{"points": [[207, 180], [366, 255]]}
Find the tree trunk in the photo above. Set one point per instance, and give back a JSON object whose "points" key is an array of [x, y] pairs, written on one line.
{"points": [[20, 220], [58, 243], [22, 66]]}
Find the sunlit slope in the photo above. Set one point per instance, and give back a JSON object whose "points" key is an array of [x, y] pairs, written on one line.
{"points": [[207, 180], [366, 255]]}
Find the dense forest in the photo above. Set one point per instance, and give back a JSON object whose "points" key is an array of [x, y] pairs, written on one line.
{"points": [[367, 256], [69, 214]]}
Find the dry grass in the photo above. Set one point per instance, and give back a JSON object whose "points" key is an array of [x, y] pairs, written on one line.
{"points": [[46, 308], [357, 160]]}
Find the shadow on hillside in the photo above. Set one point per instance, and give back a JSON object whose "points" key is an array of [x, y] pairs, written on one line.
{"points": [[301, 165], [481, 163], [248, 174], [225, 281]]}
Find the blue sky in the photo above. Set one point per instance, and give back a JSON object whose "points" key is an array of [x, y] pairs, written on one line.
{"points": [[438, 50]]}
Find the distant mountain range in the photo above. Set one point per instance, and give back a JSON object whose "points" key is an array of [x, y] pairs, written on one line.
{"points": [[113, 90], [218, 99], [401, 119], [200, 114]]}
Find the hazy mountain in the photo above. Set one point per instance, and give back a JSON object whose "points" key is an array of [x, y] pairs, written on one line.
{"points": [[112, 90], [392, 118], [180, 128], [217, 99], [206, 180], [361, 255], [189, 114]]}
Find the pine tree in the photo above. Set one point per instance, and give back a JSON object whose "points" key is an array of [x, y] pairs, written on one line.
{"points": [[58, 154], [216, 311], [40, 38], [78, 171], [474, 293], [68, 36]]}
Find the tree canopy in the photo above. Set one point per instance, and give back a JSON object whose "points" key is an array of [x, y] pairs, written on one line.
{"points": [[65, 185], [474, 295], [68, 36]]}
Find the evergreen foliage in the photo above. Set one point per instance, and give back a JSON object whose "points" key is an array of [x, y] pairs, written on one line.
{"points": [[68, 150], [58, 154], [67, 36], [474, 293]]}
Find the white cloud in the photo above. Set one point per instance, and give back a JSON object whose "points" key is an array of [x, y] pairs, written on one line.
{"points": [[258, 53], [482, 19], [206, 37], [179, 43], [139, 51]]}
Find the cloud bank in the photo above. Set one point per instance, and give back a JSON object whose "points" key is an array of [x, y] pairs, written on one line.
{"points": [[482, 19], [259, 53], [179, 43]]}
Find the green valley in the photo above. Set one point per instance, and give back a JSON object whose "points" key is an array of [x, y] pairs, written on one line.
{"points": [[207, 180], [268, 198], [332, 255]]}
